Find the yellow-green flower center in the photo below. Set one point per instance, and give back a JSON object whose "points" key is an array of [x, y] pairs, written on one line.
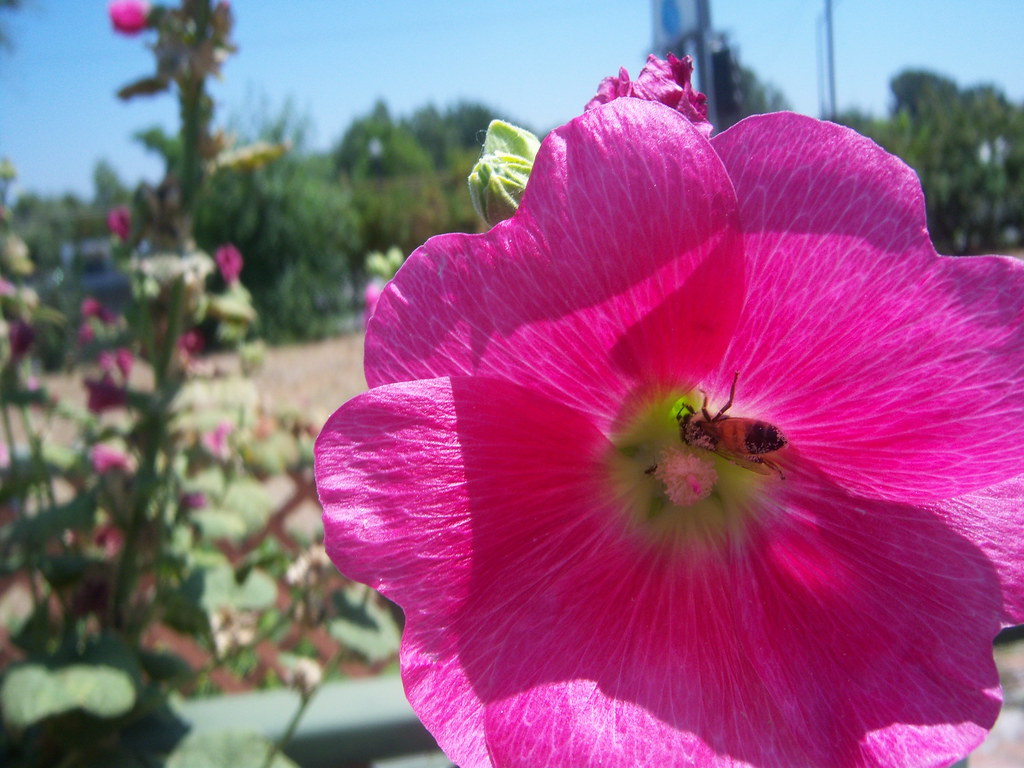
{"points": [[675, 491]]}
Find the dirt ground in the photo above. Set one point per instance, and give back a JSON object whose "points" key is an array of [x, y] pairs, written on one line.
{"points": [[319, 375]]}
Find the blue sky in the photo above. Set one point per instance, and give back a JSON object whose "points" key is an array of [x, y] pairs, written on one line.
{"points": [[537, 61]]}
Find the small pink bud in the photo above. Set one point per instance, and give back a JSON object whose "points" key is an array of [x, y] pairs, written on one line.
{"points": [[119, 222], [93, 308], [106, 458], [21, 336], [229, 259], [129, 17], [104, 394]]}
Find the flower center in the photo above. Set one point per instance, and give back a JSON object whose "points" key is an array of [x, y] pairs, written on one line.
{"points": [[673, 490], [687, 478]]}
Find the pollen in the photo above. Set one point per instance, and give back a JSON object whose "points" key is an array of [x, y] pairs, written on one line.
{"points": [[687, 478]]}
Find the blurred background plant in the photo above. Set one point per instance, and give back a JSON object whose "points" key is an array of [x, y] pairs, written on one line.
{"points": [[136, 554]]}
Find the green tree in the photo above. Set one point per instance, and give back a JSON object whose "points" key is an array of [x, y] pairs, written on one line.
{"points": [[758, 97], [407, 176], [297, 231], [377, 147], [967, 147], [108, 189]]}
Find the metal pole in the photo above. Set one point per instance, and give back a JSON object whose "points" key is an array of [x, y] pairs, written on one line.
{"points": [[830, 52], [705, 67]]}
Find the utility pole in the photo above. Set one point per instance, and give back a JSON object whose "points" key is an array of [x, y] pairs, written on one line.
{"points": [[833, 109], [705, 64], [684, 27]]}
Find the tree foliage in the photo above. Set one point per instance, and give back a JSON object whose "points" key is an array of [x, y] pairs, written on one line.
{"points": [[407, 176], [297, 231], [967, 146]]}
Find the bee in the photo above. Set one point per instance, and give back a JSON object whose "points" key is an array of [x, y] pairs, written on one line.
{"points": [[744, 442]]}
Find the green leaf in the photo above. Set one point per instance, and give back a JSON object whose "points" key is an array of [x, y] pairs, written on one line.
{"points": [[144, 87], [366, 624], [32, 692], [64, 570], [225, 749], [220, 524], [47, 524], [233, 307], [250, 500], [165, 666], [274, 454], [183, 607], [220, 589]]}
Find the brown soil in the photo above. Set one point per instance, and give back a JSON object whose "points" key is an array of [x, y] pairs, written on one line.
{"points": [[318, 376]]}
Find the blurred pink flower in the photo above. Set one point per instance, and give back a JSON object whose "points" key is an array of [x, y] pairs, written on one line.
{"points": [[190, 344], [104, 393], [507, 478], [86, 333], [93, 308], [192, 500], [110, 539], [5, 455], [7, 288], [119, 222], [121, 359], [229, 260], [106, 458], [129, 17], [216, 441], [21, 335]]}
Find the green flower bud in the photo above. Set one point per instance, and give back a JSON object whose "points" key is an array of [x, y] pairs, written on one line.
{"points": [[497, 181]]}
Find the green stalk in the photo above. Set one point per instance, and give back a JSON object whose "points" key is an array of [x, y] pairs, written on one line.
{"points": [[293, 724], [191, 92]]}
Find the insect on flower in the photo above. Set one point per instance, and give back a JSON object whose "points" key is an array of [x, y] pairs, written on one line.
{"points": [[744, 442]]}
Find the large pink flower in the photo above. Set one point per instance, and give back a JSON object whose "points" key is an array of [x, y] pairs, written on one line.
{"points": [[512, 477]]}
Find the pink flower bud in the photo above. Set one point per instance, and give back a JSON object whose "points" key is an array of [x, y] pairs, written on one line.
{"points": [[120, 359], [106, 458], [119, 222], [129, 17], [93, 308], [104, 394], [85, 334], [229, 259], [21, 337], [216, 442]]}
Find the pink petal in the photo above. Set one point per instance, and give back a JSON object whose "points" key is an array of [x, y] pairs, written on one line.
{"points": [[993, 518], [542, 631], [621, 270], [401, 496], [898, 373]]}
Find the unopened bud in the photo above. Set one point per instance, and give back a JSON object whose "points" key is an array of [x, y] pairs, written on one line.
{"points": [[498, 180]]}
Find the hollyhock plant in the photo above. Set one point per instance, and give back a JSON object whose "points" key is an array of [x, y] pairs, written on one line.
{"points": [[129, 17], [596, 572]]}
